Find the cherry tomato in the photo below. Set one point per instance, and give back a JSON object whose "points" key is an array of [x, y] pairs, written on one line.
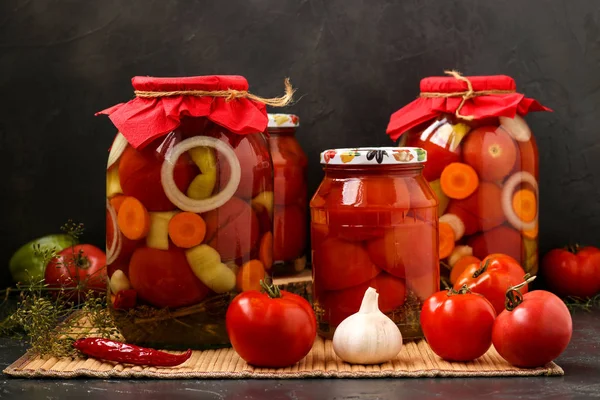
{"points": [[82, 266], [360, 208], [289, 231], [139, 174], [437, 141], [573, 273], [534, 332], [233, 229], [458, 325], [340, 304], [275, 329], [492, 277], [164, 278], [406, 247], [339, 264], [255, 162]]}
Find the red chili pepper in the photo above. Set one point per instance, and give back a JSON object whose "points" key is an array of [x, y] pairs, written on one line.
{"points": [[126, 353]]}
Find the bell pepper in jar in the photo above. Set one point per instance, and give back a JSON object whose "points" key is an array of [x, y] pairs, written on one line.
{"points": [[183, 234], [289, 168], [374, 223], [483, 164]]}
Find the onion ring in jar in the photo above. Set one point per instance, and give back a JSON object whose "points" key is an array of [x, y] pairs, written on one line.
{"points": [[116, 150], [181, 200], [516, 127], [507, 192], [113, 251]]}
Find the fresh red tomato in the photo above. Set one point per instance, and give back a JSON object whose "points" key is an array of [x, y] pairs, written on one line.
{"points": [[492, 277], [82, 266], [534, 332], [573, 273], [275, 329], [458, 326], [164, 278]]}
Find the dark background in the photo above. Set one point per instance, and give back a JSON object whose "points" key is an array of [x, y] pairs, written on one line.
{"points": [[353, 62]]}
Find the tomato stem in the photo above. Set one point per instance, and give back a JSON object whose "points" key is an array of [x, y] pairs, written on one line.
{"points": [[463, 290], [482, 269], [573, 248], [270, 289], [514, 297]]}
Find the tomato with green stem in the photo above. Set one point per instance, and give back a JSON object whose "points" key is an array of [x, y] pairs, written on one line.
{"points": [[534, 329], [492, 277], [77, 269], [458, 324], [273, 329], [574, 271]]}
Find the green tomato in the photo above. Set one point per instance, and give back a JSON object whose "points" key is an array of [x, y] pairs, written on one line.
{"points": [[25, 264]]}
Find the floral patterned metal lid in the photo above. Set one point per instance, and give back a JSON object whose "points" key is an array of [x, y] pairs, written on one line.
{"points": [[374, 156], [283, 121]]}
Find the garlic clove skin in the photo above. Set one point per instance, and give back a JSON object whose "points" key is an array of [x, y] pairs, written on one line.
{"points": [[369, 336]]}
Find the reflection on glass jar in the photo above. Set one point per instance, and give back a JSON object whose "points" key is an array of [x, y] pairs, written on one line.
{"points": [[483, 168], [373, 224], [184, 230], [290, 214]]}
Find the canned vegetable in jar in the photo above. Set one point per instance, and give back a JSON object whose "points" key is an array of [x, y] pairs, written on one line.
{"points": [[482, 165], [189, 189], [289, 168], [374, 224]]}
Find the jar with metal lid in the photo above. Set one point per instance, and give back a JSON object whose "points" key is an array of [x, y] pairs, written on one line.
{"points": [[188, 227], [483, 166], [291, 204], [374, 224]]}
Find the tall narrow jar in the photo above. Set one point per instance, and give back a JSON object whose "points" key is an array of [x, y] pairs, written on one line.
{"points": [[374, 224], [183, 232], [291, 203]]}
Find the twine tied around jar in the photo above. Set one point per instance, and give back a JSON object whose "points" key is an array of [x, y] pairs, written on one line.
{"points": [[228, 94], [466, 95]]}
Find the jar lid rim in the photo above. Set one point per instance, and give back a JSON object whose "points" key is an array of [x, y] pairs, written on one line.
{"points": [[374, 156], [283, 120]]}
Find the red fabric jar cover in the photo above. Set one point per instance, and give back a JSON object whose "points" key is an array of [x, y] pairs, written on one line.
{"points": [[144, 119], [488, 96]]}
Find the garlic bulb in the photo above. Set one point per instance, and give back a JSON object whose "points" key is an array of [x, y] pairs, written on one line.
{"points": [[369, 336]]}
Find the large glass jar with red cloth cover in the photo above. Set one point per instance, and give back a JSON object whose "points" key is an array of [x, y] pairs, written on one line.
{"points": [[291, 204], [184, 232], [483, 166], [373, 224]]}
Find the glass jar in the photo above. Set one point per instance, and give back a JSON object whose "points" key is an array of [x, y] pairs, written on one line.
{"points": [[291, 204], [483, 167], [373, 224], [188, 223]]}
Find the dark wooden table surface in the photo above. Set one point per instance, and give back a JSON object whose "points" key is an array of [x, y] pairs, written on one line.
{"points": [[581, 363]]}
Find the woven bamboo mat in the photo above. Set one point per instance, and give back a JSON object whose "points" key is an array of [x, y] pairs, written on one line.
{"points": [[416, 360]]}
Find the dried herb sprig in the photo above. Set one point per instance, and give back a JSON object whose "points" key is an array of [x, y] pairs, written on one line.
{"points": [[586, 304], [47, 317]]}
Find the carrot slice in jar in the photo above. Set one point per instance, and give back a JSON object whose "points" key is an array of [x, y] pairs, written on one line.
{"points": [[524, 205], [250, 275], [459, 180], [265, 252], [187, 229], [133, 219], [446, 239]]}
